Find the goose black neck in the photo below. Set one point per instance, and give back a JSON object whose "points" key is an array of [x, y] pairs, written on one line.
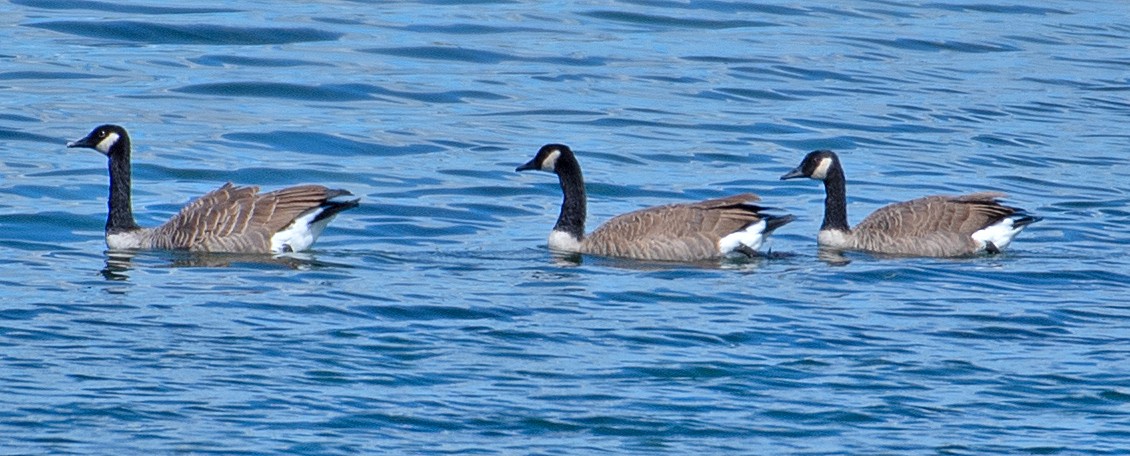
{"points": [[120, 216], [835, 200], [572, 217]]}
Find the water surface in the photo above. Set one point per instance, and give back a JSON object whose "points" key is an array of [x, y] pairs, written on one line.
{"points": [[431, 320]]}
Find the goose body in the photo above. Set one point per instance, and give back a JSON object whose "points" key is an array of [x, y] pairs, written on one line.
{"points": [[934, 226], [229, 219], [703, 230]]}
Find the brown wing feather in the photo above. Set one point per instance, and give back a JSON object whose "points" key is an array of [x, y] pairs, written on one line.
{"points": [[942, 225], [675, 232], [237, 219]]}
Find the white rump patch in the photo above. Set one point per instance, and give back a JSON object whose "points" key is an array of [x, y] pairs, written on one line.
{"points": [[821, 170], [752, 237], [300, 234], [550, 162], [564, 242], [106, 143], [1000, 234]]}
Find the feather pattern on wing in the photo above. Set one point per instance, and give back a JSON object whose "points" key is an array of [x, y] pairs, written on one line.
{"points": [[238, 219], [933, 225], [674, 232]]}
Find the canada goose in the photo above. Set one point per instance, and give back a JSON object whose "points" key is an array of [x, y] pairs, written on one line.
{"points": [[228, 219], [935, 226], [703, 230]]}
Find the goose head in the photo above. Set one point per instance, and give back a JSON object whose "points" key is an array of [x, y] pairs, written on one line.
{"points": [[547, 158], [107, 139], [814, 166]]}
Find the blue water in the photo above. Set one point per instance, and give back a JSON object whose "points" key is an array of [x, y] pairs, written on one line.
{"points": [[431, 320]]}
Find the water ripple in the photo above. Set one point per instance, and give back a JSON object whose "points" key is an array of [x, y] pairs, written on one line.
{"points": [[325, 144], [20, 135], [238, 60], [211, 34], [913, 44], [119, 8], [1000, 9], [45, 75], [460, 54], [652, 20], [434, 306], [329, 92], [468, 29]]}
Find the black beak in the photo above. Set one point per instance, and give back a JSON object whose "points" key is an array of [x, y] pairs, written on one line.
{"points": [[795, 173], [87, 142], [532, 164]]}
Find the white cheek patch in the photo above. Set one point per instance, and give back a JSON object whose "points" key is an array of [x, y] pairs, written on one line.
{"points": [[106, 143], [550, 162], [821, 170]]}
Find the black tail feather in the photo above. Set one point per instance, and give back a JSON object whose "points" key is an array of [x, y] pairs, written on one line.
{"points": [[1024, 220], [772, 222], [331, 208]]}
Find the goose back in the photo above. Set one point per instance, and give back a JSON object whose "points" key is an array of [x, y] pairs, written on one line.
{"points": [[674, 232], [242, 220], [934, 225]]}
